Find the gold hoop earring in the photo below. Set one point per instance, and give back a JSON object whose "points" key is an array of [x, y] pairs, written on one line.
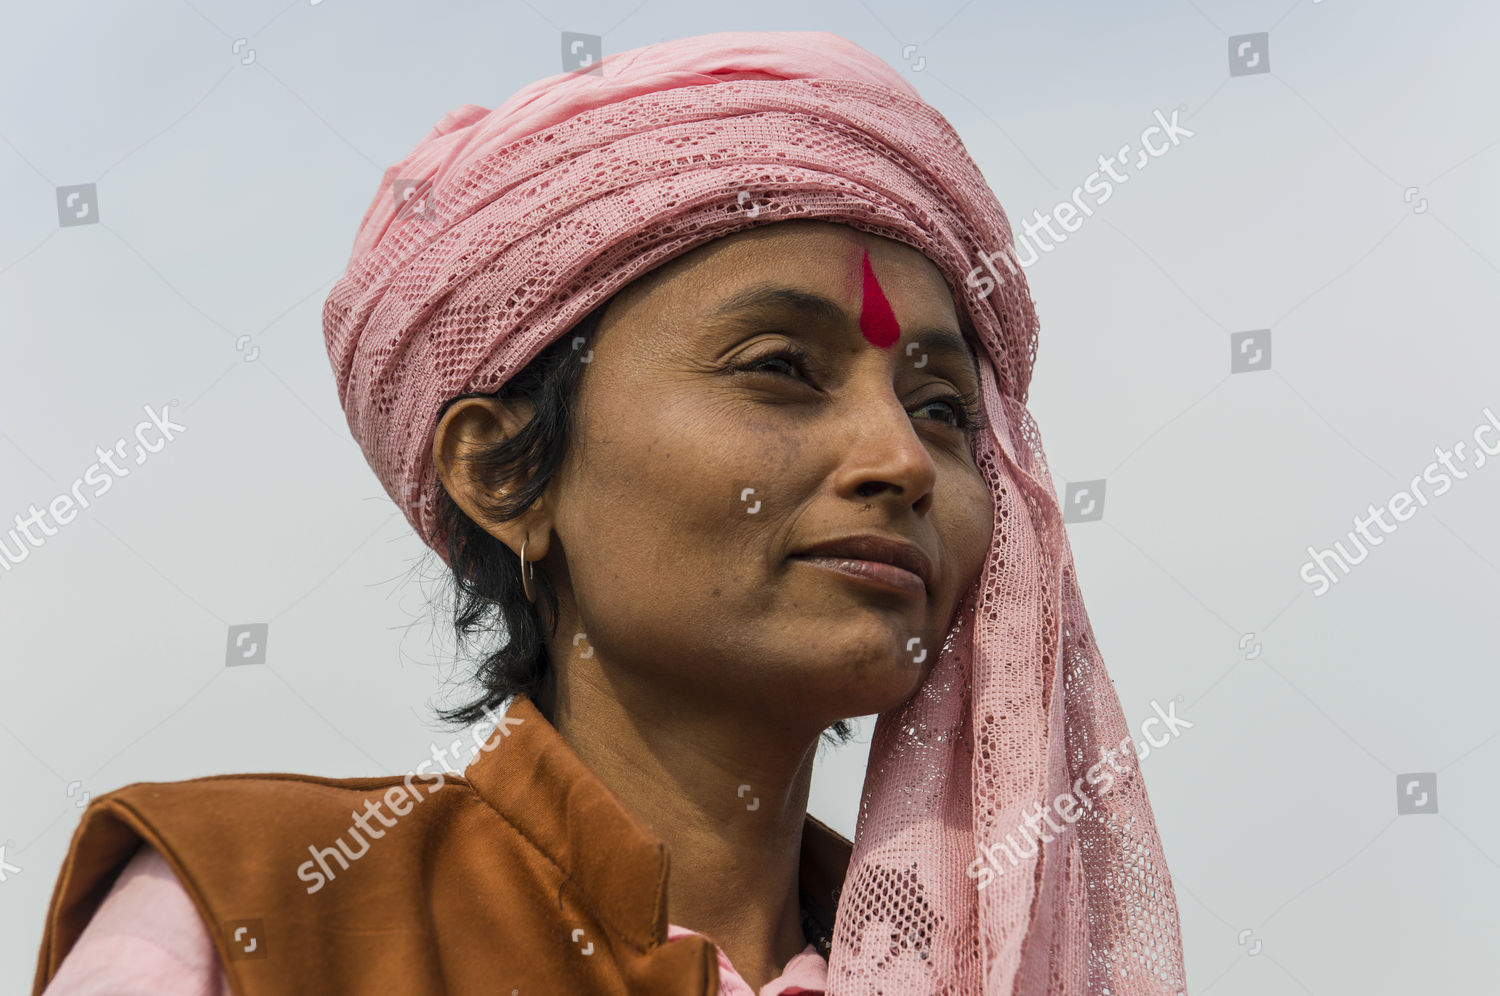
{"points": [[527, 571]]}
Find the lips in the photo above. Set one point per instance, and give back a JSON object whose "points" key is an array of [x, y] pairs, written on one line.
{"points": [[880, 549]]}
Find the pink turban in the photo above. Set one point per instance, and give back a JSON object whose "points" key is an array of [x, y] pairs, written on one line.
{"points": [[529, 215]]}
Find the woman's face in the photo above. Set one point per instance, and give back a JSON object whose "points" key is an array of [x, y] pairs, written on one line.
{"points": [[700, 467]]}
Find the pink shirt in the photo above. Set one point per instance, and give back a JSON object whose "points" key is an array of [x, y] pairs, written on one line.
{"points": [[147, 939]]}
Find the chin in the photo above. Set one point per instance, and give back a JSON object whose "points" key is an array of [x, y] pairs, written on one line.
{"points": [[881, 690]]}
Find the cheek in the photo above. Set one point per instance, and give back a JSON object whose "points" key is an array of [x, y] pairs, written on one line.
{"points": [[676, 497], [672, 526], [968, 530]]}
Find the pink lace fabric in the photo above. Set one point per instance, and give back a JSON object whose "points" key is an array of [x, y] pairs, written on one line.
{"points": [[529, 215], [147, 939]]}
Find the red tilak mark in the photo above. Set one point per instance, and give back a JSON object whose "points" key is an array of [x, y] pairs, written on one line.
{"points": [[876, 319]]}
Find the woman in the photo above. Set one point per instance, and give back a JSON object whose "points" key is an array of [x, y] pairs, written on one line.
{"points": [[706, 376]]}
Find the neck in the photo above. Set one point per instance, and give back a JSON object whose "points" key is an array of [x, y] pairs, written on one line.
{"points": [[683, 768]]}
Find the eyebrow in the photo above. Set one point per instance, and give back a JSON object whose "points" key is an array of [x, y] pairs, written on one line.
{"points": [[937, 341]]}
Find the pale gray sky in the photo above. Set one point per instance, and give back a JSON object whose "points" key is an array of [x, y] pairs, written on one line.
{"points": [[1344, 201]]}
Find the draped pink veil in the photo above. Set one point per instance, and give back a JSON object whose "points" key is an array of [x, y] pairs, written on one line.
{"points": [[525, 217]]}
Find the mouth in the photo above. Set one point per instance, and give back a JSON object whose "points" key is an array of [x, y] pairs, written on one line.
{"points": [[887, 563], [872, 573]]}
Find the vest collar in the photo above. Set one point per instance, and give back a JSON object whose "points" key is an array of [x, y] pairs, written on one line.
{"points": [[530, 775]]}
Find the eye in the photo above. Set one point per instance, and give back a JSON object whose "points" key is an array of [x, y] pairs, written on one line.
{"points": [[965, 407], [792, 356], [965, 410]]}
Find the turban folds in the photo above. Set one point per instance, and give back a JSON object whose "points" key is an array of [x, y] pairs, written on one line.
{"points": [[528, 216]]}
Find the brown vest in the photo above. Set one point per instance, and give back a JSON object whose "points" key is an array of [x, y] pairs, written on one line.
{"points": [[527, 873]]}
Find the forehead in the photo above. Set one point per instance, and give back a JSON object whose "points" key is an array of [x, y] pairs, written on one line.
{"points": [[818, 257], [828, 252]]}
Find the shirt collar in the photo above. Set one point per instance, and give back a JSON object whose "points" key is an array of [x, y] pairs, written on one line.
{"points": [[529, 774]]}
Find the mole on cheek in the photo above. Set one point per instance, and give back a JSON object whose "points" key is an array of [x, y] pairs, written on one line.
{"points": [[876, 319]]}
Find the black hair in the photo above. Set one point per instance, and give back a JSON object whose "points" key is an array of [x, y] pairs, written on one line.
{"points": [[488, 595]]}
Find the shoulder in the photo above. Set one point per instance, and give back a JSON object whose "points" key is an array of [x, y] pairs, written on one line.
{"points": [[234, 824], [226, 794], [240, 841]]}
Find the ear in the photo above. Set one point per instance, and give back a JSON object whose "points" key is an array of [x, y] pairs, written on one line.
{"points": [[465, 429]]}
